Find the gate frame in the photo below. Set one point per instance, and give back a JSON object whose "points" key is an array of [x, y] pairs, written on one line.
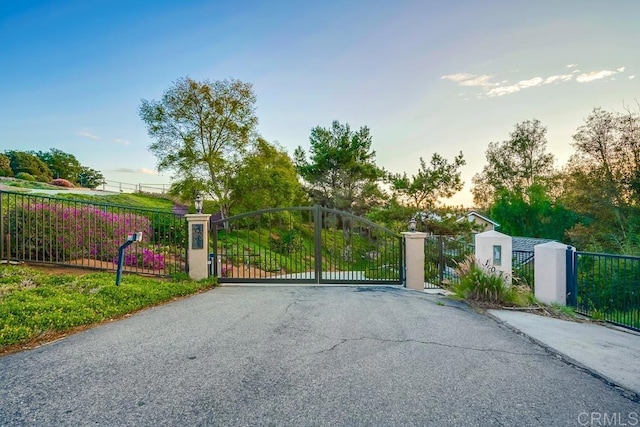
{"points": [[318, 279]]}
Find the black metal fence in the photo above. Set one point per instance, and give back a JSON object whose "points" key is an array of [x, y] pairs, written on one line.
{"points": [[41, 229], [605, 287], [441, 256], [305, 244], [523, 268]]}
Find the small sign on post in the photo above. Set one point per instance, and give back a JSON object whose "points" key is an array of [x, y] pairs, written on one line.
{"points": [[135, 237], [197, 236]]}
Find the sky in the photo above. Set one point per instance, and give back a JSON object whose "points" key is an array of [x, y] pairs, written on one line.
{"points": [[426, 76]]}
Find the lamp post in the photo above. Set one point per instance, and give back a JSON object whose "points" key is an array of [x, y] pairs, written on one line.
{"points": [[198, 204], [412, 225]]}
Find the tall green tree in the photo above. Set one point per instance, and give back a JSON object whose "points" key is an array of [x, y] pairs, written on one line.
{"points": [[602, 182], [5, 166], [266, 179], [441, 179], [62, 165], [514, 164], [516, 185], [531, 214], [202, 131], [25, 162], [340, 171], [90, 178]]}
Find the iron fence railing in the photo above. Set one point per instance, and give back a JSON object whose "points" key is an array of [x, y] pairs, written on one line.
{"points": [[607, 287], [522, 263], [43, 229], [441, 256]]}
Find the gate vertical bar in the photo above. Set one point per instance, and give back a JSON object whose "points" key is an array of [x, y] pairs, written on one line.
{"points": [[317, 240], [572, 277], [2, 227], [214, 259], [440, 260]]}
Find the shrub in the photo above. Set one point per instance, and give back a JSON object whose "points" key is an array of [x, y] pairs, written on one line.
{"points": [[75, 232], [6, 172], [480, 284], [62, 183], [149, 259], [286, 243], [25, 176]]}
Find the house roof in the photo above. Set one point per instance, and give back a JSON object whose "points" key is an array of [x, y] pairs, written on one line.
{"points": [[527, 243], [474, 213]]}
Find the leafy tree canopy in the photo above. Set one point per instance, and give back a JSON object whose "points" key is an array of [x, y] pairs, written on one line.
{"points": [[341, 170], [5, 166], [266, 179], [202, 131], [514, 164], [89, 178], [441, 179], [61, 164], [602, 182], [24, 162]]}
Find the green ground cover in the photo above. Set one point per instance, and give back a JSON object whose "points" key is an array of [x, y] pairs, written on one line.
{"points": [[35, 305]]}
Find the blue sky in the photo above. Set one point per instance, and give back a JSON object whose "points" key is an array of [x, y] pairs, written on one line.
{"points": [[426, 76]]}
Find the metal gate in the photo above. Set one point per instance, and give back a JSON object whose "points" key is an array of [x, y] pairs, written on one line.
{"points": [[441, 256], [306, 244]]}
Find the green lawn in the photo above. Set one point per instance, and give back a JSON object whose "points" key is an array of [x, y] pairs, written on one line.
{"points": [[35, 305]]}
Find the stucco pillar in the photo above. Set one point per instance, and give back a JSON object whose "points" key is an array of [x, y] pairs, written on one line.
{"points": [[198, 248], [550, 269], [494, 250], [414, 260]]}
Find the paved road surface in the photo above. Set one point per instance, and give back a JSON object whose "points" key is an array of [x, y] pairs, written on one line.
{"points": [[303, 356]]}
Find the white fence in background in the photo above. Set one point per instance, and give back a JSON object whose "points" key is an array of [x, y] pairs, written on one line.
{"points": [[127, 187]]}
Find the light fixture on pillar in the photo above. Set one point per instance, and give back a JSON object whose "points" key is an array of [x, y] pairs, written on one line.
{"points": [[198, 203], [412, 225]]}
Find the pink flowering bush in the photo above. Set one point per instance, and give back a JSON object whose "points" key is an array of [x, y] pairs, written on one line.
{"points": [[54, 232], [148, 260], [62, 183]]}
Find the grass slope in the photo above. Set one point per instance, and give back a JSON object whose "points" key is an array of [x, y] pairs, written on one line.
{"points": [[36, 306]]}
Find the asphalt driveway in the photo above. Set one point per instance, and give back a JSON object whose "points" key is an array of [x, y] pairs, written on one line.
{"points": [[302, 356]]}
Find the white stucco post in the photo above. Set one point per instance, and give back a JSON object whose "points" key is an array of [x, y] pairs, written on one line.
{"points": [[550, 270], [414, 260], [494, 250], [198, 250]]}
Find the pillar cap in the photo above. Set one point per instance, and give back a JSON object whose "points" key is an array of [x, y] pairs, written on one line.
{"points": [[414, 235], [195, 217]]}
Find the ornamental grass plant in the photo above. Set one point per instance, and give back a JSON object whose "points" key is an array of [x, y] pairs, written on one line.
{"points": [[482, 284]]}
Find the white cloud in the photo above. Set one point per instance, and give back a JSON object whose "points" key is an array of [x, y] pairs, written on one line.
{"points": [[522, 84], [536, 81], [457, 77], [478, 81], [503, 90], [558, 78], [87, 134], [148, 171], [122, 141], [632, 77], [466, 79], [490, 89], [597, 75]]}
